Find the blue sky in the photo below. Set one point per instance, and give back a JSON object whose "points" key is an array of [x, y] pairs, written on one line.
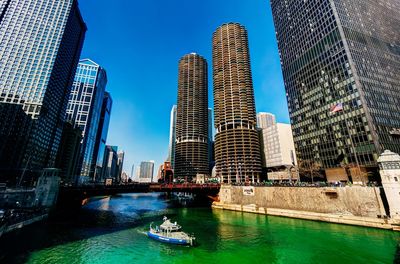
{"points": [[139, 43]]}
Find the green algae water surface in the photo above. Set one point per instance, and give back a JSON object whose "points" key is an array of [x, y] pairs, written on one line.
{"points": [[112, 230]]}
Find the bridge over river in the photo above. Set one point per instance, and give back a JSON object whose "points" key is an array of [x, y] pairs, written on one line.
{"points": [[78, 195]]}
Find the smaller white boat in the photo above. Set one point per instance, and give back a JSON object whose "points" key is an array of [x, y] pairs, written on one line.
{"points": [[171, 233]]}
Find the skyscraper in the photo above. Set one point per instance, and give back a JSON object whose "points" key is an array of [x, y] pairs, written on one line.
{"points": [[191, 153], [101, 137], [132, 176], [137, 174], [120, 164], [84, 110], [146, 171], [237, 146], [40, 45], [172, 137], [69, 153], [342, 56], [280, 146], [210, 141], [14, 123], [265, 120], [110, 163]]}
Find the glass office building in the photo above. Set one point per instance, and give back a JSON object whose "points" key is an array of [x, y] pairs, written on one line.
{"points": [[84, 109], [110, 163], [341, 52], [237, 145], [40, 45], [101, 138], [191, 149], [14, 123], [69, 153]]}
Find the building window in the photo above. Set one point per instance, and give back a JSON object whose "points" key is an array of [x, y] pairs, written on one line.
{"points": [[395, 179]]}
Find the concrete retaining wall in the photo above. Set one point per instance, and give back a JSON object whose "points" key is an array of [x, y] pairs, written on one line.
{"points": [[346, 205], [357, 201]]}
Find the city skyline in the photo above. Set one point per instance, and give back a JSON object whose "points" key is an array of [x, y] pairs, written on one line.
{"points": [[141, 116], [234, 73]]}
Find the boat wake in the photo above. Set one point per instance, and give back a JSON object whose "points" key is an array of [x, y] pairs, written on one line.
{"points": [[142, 232]]}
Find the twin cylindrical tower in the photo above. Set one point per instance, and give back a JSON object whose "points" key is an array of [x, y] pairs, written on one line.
{"points": [[191, 151], [237, 146]]}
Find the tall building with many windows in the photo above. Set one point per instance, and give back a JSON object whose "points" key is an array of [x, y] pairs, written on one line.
{"points": [[265, 120], [40, 45], [146, 171], [69, 153], [172, 137], [101, 138], [211, 161], [191, 151], [84, 109], [14, 123], [237, 145], [121, 157], [278, 146], [343, 53], [110, 163]]}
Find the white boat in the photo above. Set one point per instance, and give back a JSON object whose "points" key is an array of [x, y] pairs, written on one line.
{"points": [[171, 233]]}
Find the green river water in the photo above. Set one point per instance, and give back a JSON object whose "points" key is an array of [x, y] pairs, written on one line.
{"points": [[112, 230]]}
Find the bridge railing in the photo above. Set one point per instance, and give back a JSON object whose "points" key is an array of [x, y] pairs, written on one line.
{"points": [[142, 186]]}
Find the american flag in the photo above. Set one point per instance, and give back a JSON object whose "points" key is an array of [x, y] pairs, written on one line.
{"points": [[337, 108]]}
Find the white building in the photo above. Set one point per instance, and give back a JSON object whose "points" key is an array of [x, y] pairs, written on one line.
{"points": [[137, 174], [389, 165], [279, 146], [172, 136], [265, 120], [279, 156], [277, 141]]}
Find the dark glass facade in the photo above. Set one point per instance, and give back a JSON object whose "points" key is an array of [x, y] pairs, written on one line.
{"points": [[101, 138], [348, 52], [191, 150], [84, 110], [237, 146], [110, 163], [40, 45], [69, 153], [120, 164], [14, 122]]}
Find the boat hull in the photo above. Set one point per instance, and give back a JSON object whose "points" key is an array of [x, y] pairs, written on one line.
{"points": [[168, 240]]}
